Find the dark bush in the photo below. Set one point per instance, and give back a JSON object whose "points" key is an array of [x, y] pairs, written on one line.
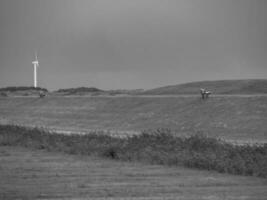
{"points": [[3, 94]]}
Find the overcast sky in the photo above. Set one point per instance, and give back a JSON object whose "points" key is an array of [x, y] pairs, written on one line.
{"points": [[128, 44]]}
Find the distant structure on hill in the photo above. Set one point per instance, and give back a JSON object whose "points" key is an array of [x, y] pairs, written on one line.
{"points": [[35, 65], [204, 93]]}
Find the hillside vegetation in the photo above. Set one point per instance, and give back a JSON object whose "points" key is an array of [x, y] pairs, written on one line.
{"points": [[160, 147], [80, 89], [17, 89], [21, 91], [91, 91], [253, 86]]}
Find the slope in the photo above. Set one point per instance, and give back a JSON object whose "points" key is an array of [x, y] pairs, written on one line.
{"points": [[249, 86]]}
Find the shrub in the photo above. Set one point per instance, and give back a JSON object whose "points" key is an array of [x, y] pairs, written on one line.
{"points": [[3, 94]]}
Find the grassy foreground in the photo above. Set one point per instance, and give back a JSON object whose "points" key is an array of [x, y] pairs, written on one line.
{"points": [[158, 147], [37, 174]]}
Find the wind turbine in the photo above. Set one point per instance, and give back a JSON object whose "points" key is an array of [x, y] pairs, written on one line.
{"points": [[35, 65]]}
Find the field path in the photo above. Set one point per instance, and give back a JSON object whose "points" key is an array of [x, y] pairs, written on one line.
{"points": [[27, 174]]}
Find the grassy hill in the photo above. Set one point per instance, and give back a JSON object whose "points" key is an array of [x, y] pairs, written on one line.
{"points": [[253, 86], [230, 117]]}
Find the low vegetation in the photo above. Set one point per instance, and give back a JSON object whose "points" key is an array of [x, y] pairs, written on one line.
{"points": [[95, 91], [154, 147], [79, 90], [3, 94], [21, 88]]}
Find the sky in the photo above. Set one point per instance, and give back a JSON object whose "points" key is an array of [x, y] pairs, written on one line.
{"points": [[131, 44]]}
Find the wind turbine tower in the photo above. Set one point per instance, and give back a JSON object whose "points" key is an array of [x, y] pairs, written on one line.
{"points": [[35, 65]]}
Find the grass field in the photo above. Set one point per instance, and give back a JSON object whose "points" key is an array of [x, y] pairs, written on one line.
{"points": [[233, 117], [56, 166], [37, 174]]}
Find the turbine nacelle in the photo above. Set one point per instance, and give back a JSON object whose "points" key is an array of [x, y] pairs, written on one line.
{"points": [[35, 63]]}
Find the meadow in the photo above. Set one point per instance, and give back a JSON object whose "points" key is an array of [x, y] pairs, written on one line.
{"points": [[37, 174], [234, 117]]}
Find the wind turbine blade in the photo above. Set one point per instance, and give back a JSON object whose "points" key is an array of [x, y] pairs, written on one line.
{"points": [[35, 55]]}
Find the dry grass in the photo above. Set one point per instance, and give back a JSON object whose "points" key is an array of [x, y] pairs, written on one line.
{"points": [[27, 174]]}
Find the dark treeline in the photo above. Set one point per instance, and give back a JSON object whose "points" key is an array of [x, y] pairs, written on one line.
{"points": [[22, 88], [154, 147], [80, 89]]}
